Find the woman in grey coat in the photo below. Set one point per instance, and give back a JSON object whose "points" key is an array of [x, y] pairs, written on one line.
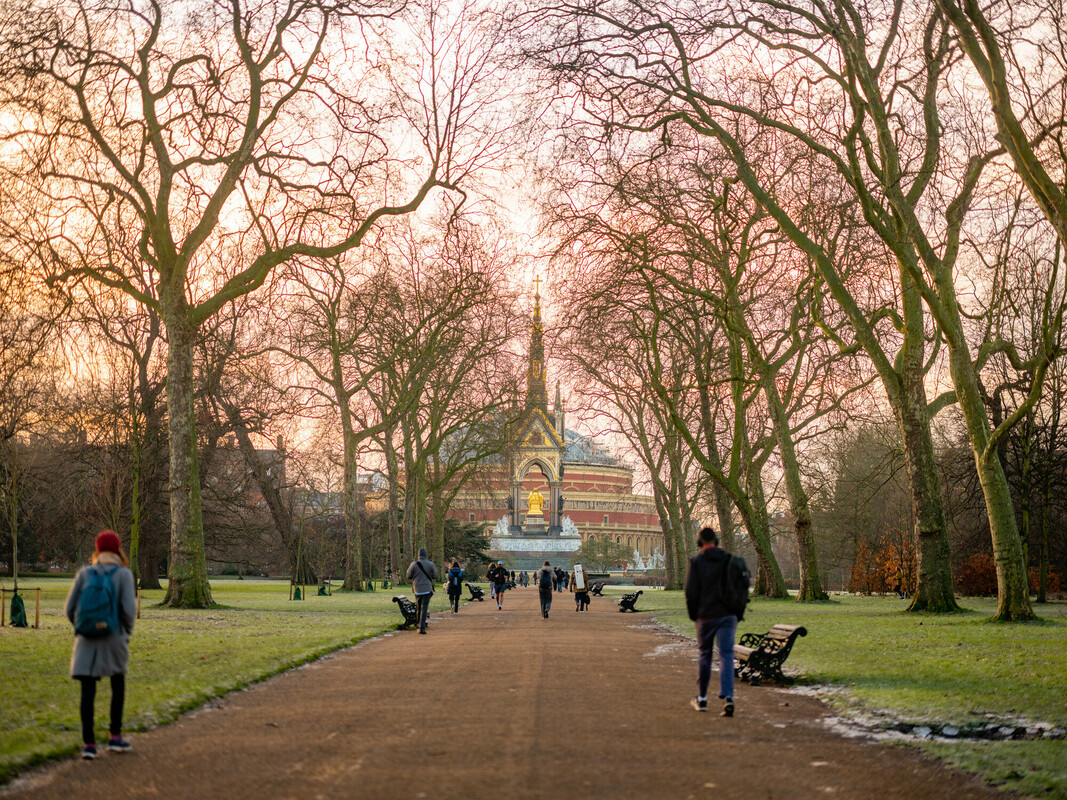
{"points": [[108, 656]]}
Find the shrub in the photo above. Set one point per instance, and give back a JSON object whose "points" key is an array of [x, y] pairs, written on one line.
{"points": [[650, 580], [1054, 584], [977, 577]]}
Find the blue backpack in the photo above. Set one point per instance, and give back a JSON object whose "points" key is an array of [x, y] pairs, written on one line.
{"points": [[97, 615]]}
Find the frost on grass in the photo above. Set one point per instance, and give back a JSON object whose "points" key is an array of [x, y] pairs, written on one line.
{"points": [[882, 725]]}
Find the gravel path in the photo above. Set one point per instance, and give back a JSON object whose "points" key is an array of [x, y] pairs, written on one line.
{"points": [[500, 705]]}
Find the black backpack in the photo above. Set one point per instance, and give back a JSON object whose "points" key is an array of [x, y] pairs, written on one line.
{"points": [[736, 580], [545, 581], [454, 579]]}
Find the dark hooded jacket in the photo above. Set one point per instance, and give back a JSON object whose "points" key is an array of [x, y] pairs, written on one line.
{"points": [[498, 575], [455, 581], [703, 584]]}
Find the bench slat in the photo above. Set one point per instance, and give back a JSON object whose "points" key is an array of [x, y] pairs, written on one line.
{"points": [[762, 656]]}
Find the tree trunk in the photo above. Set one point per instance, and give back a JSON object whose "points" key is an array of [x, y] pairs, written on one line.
{"points": [[674, 580], [680, 530], [300, 570], [135, 499], [681, 562], [810, 585], [754, 516], [150, 564], [659, 496], [353, 545], [934, 591], [724, 517], [396, 556], [188, 584], [1013, 591], [436, 536], [1042, 570]]}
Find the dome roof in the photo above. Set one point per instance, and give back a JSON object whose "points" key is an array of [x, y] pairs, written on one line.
{"points": [[584, 450]]}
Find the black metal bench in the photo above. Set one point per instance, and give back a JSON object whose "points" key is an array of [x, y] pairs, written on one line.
{"points": [[477, 593], [629, 601], [760, 657], [408, 609], [597, 588]]}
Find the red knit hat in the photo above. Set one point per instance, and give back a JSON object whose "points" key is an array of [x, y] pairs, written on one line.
{"points": [[108, 542]]}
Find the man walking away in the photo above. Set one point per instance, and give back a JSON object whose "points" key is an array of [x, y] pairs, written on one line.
{"points": [[580, 586], [498, 577], [545, 580], [422, 573], [455, 586], [708, 600]]}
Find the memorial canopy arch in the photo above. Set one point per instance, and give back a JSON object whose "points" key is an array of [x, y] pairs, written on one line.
{"points": [[537, 446]]}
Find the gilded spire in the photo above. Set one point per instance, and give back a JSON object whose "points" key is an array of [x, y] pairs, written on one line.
{"points": [[536, 390]]}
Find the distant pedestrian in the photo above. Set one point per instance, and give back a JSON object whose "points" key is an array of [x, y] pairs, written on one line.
{"points": [[560, 575], [455, 586], [422, 573], [545, 580], [707, 600], [102, 606], [498, 579], [580, 586]]}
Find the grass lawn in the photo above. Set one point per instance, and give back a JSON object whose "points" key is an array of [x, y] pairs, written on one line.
{"points": [[954, 668], [178, 659]]}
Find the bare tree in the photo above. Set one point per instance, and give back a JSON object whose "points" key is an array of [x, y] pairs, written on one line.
{"points": [[1020, 53], [29, 323], [220, 140], [861, 88]]}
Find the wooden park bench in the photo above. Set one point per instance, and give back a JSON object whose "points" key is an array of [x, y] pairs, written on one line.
{"points": [[597, 588], [477, 593], [760, 657], [629, 601], [408, 609]]}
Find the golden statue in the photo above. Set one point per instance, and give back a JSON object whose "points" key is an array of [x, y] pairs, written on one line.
{"points": [[536, 502]]}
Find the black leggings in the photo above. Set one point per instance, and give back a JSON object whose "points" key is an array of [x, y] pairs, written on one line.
{"points": [[118, 697]]}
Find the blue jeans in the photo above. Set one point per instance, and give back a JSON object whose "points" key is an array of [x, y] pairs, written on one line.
{"points": [[710, 632], [422, 603]]}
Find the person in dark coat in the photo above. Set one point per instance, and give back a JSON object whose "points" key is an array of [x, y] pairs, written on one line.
{"points": [[715, 624], [455, 586], [545, 584], [422, 573], [93, 659], [498, 577]]}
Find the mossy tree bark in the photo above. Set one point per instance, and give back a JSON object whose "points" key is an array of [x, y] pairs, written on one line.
{"points": [[188, 585]]}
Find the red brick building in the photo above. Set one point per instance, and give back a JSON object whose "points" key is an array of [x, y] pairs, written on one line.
{"points": [[557, 488]]}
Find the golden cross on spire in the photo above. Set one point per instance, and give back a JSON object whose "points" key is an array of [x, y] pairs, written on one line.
{"points": [[537, 286]]}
